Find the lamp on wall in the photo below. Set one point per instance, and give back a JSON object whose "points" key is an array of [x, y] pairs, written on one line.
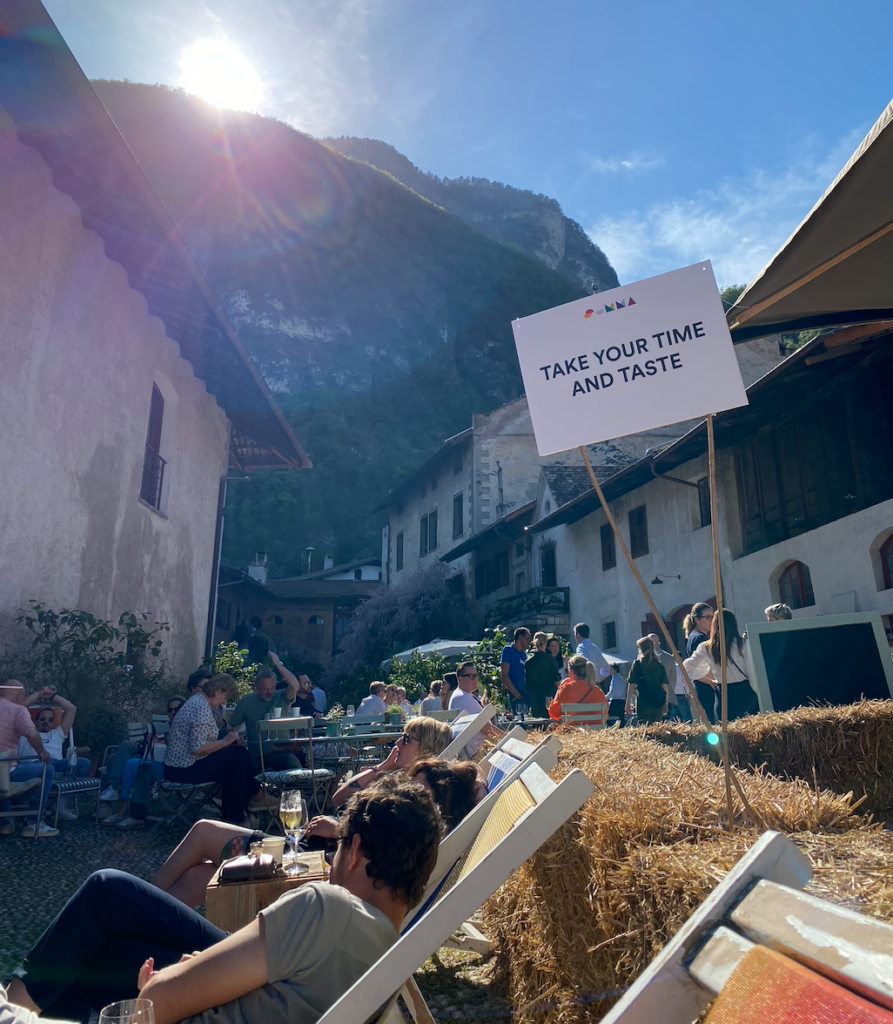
{"points": [[659, 578]]}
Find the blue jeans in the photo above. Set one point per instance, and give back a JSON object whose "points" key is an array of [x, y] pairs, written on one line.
{"points": [[37, 797], [680, 711], [91, 953], [81, 772]]}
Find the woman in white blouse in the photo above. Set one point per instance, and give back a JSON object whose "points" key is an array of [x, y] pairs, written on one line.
{"points": [[195, 754], [705, 659]]}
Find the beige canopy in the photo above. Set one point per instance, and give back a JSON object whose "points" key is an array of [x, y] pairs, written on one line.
{"points": [[837, 267]]}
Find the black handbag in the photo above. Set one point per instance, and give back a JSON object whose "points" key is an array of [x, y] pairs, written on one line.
{"points": [[141, 790]]}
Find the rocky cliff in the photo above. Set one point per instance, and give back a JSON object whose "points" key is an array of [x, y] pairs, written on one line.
{"points": [[381, 319]]}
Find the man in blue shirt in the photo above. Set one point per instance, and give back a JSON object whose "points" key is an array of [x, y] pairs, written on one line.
{"points": [[512, 666], [589, 651]]}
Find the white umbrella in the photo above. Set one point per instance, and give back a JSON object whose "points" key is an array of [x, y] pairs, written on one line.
{"points": [[446, 648]]}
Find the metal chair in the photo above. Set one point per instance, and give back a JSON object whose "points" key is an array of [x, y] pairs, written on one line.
{"points": [[13, 790], [180, 802], [305, 779]]}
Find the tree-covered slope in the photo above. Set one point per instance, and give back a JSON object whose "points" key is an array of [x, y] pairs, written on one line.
{"points": [[381, 320]]}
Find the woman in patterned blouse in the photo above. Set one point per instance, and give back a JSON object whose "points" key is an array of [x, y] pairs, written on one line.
{"points": [[194, 754]]}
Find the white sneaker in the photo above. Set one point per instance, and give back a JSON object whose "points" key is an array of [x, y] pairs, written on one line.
{"points": [[129, 824], [109, 794], [7, 828], [66, 813], [43, 832]]}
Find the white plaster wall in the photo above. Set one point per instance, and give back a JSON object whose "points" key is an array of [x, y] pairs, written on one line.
{"points": [[839, 557], [80, 354]]}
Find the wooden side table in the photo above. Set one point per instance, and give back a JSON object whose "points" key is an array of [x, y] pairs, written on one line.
{"points": [[235, 904]]}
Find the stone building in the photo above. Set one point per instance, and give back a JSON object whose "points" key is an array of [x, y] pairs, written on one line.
{"points": [[805, 504], [126, 392]]}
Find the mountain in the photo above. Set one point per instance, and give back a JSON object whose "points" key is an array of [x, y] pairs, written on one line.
{"points": [[381, 320], [533, 222]]}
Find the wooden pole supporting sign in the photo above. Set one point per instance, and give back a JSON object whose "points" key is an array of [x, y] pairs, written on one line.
{"points": [[692, 693]]}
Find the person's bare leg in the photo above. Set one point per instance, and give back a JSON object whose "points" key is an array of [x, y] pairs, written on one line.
{"points": [[17, 994], [190, 887], [203, 842]]}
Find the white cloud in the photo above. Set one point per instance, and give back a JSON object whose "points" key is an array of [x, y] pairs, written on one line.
{"points": [[619, 165], [739, 225]]}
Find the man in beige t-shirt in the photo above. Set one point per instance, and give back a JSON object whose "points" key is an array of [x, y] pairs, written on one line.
{"points": [[287, 967]]}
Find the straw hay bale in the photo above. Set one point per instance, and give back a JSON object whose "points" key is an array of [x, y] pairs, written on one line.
{"points": [[846, 749], [581, 919]]}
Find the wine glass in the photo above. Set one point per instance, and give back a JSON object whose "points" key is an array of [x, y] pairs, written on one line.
{"points": [[521, 709], [128, 1011], [293, 814]]}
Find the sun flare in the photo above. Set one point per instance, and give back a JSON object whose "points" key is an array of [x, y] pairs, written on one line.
{"points": [[220, 73]]}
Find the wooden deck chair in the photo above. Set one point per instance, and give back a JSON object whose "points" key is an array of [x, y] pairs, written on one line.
{"points": [[513, 758], [526, 814], [769, 952], [466, 729], [586, 716]]}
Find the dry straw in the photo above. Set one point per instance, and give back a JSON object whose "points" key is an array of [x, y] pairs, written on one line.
{"points": [[579, 921], [845, 749]]}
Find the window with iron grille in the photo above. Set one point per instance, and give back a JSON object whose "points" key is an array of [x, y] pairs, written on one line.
{"points": [[704, 500], [399, 545], [153, 463], [609, 548], [224, 614], [428, 533], [795, 586], [548, 570], [458, 516], [609, 636], [638, 532]]}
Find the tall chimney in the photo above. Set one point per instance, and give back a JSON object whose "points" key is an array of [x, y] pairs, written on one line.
{"points": [[258, 568], [328, 562]]}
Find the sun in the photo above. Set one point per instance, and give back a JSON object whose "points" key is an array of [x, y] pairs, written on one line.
{"points": [[220, 73]]}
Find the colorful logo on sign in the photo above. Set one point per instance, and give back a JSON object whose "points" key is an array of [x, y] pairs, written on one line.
{"points": [[609, 309]]}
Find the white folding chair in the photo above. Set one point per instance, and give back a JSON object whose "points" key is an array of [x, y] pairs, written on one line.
{"points": [[443, 716], [758, 903], [526, 814], [586, 716], [466, 729]]}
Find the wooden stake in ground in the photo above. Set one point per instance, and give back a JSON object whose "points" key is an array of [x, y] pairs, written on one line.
{"points": [[692, 693], [723, 683]]}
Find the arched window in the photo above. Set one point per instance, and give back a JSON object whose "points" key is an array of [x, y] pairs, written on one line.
{"points": [[795, 586], [315, 632], [296, 628], [274, 620], [886, 553]]}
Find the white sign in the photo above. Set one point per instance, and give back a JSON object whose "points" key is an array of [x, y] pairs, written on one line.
{"points": [[629, 359]]}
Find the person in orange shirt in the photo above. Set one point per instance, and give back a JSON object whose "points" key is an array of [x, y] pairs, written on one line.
{"points": [[580, 687]]}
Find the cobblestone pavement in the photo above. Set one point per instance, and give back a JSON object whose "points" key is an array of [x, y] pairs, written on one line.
{"points": [[38, 875]]}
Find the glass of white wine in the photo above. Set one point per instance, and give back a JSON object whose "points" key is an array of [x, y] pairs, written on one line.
{"points": [[128, 1011], [293, 814]]}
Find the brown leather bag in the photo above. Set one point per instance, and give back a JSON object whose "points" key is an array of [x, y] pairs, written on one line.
{"points": [[248, 869]]}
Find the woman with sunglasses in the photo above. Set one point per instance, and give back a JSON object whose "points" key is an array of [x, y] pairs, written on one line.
{"points": [[422, 737]]}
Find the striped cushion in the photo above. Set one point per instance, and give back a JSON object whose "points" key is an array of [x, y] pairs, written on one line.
{"points": [[76, 785], [294, 775]]}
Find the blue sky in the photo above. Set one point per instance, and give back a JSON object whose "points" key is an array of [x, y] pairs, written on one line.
{"points": [[673, 132]]}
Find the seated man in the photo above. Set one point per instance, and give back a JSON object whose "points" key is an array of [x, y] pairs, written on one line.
{"points": [[254, 707], [287, 967], [15, 724], [53, 737], [373, 704]]}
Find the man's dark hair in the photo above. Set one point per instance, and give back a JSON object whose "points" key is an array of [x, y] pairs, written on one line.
{"points": [[198, 676], [264, 672], [399, 828], [435, 687], [582, 629], [460, 669], [450, 681], [520, 631]]}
